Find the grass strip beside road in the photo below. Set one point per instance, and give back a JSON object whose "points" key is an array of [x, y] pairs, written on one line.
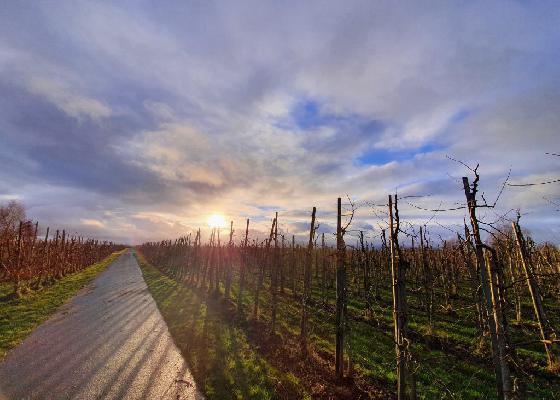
{"points": [[18, 317], [222, 359]]}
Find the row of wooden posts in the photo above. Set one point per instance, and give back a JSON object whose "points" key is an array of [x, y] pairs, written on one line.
{"points": [[488, 272]]}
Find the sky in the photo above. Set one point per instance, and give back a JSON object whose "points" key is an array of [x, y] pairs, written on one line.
{"points": [[136, 120]]}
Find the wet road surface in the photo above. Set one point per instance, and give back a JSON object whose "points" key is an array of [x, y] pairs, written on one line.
{"points": [[108, 342]]}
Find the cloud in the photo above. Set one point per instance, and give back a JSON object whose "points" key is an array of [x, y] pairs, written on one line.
{"points": [[56, 83], [147, 120], [92, 222], [66, 100], [161, 111]]}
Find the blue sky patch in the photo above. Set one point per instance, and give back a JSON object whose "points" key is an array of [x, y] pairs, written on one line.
{"points": [[382, 156], [306, 115], [309, 114]]}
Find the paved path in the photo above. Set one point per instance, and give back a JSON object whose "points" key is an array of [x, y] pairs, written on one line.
{"points": [[108, 342]]}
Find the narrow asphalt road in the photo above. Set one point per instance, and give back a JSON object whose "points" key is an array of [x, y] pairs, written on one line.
{"points": [[108, 342]]}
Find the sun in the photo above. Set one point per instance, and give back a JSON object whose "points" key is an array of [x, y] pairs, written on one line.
{"points": [[217, 221]]}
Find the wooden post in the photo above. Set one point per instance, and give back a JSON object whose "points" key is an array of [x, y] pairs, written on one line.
{"points": [[340, 292], [399, 312], [307, 286], [503, 380], [274, 277], [229, 262], [262, 270], [428, 280], [281, 268], [364, 261], [499, 319], [545, 328], [323, 269], [17, 285], [293, 266], [63, 255], [45, 269], [196, 261], [218, 265], [466, 252], [244, 257]]}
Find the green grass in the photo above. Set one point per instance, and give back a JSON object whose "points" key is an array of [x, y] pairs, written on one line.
{"points": [[222, 359], [18, 317], [451, 372], [439, 374], [447, 366]]}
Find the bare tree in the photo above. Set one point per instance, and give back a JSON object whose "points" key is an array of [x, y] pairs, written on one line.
{"points": [[11, 214]]}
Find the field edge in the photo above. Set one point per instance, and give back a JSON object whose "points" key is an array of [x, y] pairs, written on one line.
{"points": [[20, 317]]}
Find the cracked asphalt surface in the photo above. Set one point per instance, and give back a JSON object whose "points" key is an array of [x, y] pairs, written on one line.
{"points": [[109, 342]]}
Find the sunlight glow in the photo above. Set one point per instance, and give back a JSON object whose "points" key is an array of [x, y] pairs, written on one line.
{"points": [[217, 221]]}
